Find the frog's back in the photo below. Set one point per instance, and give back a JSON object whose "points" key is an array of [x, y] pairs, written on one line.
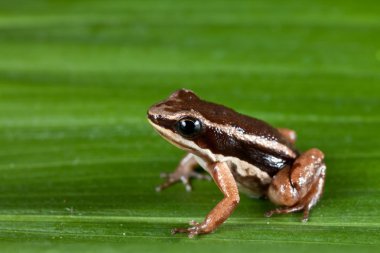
{"points": [[247, 138]]}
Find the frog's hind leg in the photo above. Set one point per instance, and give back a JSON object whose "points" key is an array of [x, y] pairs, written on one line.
{"points": [[184, 172], [288, 134], [299, 187]]}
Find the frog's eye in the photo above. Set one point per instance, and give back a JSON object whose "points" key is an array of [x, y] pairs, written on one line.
{"points": [[189, 127]]}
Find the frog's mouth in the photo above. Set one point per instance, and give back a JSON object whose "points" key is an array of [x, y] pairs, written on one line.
{"points": [[174, 138]]}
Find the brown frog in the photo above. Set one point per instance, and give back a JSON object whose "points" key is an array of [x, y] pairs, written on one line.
{"points": [[239, 152]]}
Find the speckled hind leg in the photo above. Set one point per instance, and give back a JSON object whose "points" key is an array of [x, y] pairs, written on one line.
{"points": [[184, 172], [299, 187]]}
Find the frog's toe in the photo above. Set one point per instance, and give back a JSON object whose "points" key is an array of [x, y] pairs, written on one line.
{"points": [[170, 180], [194, 223], [164, 175], [305, 216], [162, 187], [299, 207], [185, 178], [179, 230], [195, 229], [193, 175], [191, 231], [292, 209], [186, 182]]}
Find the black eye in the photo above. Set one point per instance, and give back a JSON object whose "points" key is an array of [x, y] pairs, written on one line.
{"points": [[189, 127]]}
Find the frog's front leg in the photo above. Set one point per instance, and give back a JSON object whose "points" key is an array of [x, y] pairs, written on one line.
{"points": [[184, 172], [299, 187], [224, 179]]}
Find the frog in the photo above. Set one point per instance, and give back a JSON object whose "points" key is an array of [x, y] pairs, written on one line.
{"points": [[240, 153]]}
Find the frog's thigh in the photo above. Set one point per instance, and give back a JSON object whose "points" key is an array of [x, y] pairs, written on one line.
{"points": [[301, 184], [289, 134]]}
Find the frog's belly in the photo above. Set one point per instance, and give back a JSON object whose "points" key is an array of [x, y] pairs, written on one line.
{"points": [[251, 180]]}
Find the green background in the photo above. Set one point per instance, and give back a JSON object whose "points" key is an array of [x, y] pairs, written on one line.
{"points": [[79, 162]]}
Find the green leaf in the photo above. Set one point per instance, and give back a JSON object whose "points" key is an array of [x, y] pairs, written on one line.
{"points": [[79, 162]]}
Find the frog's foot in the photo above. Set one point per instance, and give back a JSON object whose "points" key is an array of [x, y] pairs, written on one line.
{"points": [[195, 229], [292, 209], [175, 177], [183, 173], [299, 187]]}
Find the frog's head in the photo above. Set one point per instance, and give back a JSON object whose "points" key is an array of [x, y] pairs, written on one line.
{"points": [[199, 127], [178, 120]]}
